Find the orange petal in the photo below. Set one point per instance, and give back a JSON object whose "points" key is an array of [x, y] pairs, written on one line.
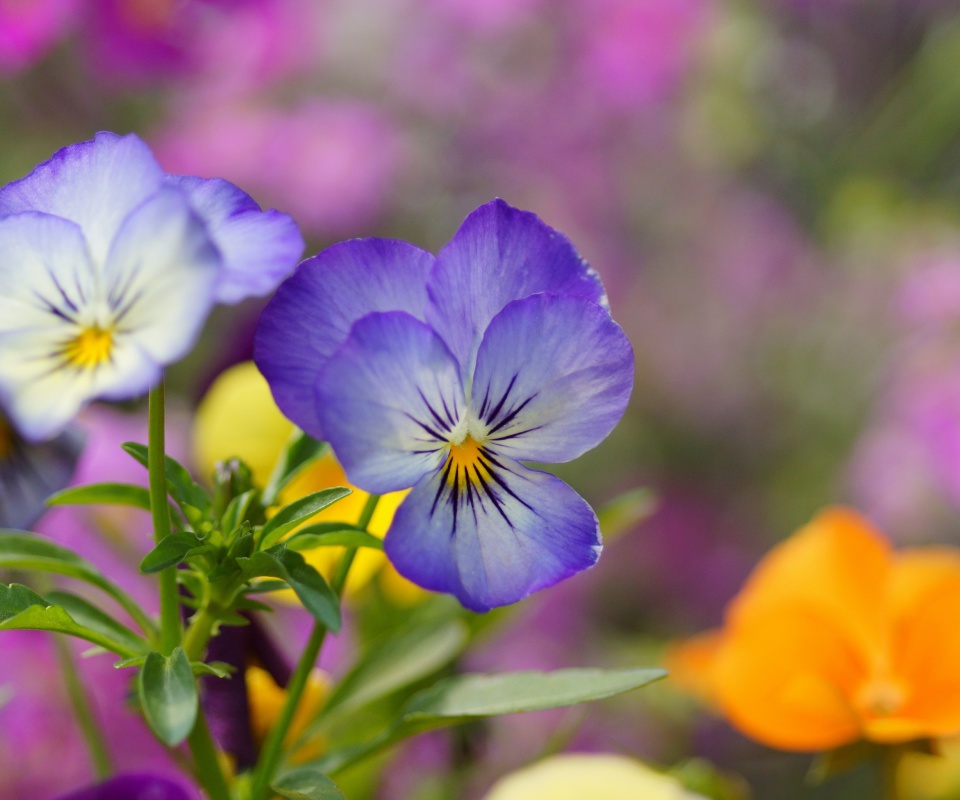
{"points": [[837, 565], [786, 679], [926, 658]]}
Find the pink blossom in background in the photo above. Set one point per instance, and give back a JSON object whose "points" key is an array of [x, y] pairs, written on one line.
{"points": [[332, 165], [490, 16], [929, 295], [635, 52], [29, 28], [236, 45]]}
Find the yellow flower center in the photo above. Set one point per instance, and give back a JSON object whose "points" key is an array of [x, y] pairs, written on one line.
{"points": [[89, 348], [464, 460]]}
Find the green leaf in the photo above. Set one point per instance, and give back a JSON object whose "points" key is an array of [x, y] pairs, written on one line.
{"points": [[465, 697], [116, 494], [307, 784], [314, 592], [236, 512], [289, 517], [168, 694], [22, 609], [28, 551], [300, 451], [304, 540], [173, 549], [625, 511], [97, 620], [396, 662], [180, 484], [17, 598], [218, 669]]}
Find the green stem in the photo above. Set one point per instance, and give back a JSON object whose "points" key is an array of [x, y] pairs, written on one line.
{"points": [[83, 711], [170, 627], [206, 761], [272, 747]]}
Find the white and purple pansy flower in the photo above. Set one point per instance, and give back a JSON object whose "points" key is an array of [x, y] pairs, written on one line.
{"points": [[445, 374], [108, 269]]}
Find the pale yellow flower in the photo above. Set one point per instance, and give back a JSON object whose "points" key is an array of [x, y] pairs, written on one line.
{"points": [[588, 776]]}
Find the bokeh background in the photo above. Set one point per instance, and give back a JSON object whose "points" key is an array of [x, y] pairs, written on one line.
{"points": [[770, 191]]}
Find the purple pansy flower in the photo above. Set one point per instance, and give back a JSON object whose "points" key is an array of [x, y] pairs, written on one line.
{"points": [[446, 373], [108, 268], [131, 787]]}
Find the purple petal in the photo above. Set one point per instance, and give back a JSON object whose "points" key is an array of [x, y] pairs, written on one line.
{"points": [[259, 248], [500, 254], [493, 538], [131, 787], [313, 310], [95, 184], [553, 378], [388, 400]]}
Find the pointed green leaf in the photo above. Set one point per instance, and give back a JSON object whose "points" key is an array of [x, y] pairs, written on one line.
{"points": [[289, 517], [116, 494], [304, 540], [218, 669], [464, 697], [173, 549], [88, 615], [396, 662], [30, 551], [180, 484], [22, 609], [307, 784], [236, 512], [168, 694], [314, 592]]}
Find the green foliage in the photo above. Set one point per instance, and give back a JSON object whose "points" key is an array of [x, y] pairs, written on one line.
{"points": [[307, 784], [30, 552], [462, 698], [314, 592], [395, 662], [172, 550], [299, 511], [465, 697], [168, 695], [23, 609], [305, 540], [189, 496], [116, 494]]}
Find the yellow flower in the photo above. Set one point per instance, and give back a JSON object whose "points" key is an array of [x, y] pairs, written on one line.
{"points": [[266, 702], [238, 418], [583, 776], [836, 638]]}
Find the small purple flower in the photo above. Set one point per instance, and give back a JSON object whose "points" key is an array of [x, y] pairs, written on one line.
{"points": [[108, 268], [445, 373], [131, 787]]}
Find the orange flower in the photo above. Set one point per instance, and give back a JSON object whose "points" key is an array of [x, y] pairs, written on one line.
{"points": [[835, 638]]}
